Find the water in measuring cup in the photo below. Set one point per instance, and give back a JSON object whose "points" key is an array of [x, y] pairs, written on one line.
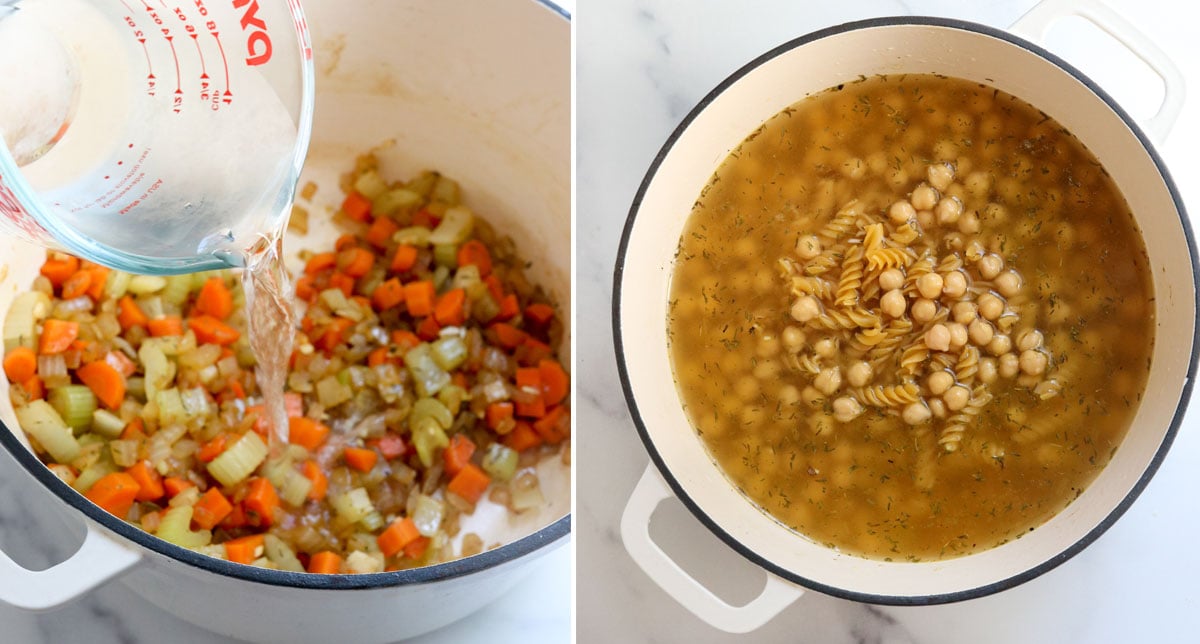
{"points": [[154, 151]]}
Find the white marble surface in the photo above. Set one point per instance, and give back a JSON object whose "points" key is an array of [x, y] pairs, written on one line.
{"points": [[641, 66]]}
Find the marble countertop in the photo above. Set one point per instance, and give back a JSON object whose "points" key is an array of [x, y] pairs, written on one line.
{"points": [[641, 66]]}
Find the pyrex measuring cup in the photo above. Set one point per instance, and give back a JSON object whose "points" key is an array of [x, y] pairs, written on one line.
{"points": [[153, 136]]}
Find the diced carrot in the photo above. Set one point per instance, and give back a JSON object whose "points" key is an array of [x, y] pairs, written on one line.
{"points": [[419, 296], [174, 485], [342, 281], [320, 483], [57, 335], [555, 382], [129, 314], [355, 262], [307, 432], [348, 240], [522, 437], [76, 285], [20, 364], [532, 351], [150, 482], [497, 412], [539, 313], [104, 381], [114, 493], [164, 326], [470, 483], [213, 448], [236, 517], [506, 335], [34, 388], [325, 562], [320, 262], [458, 453], [260, 502], [60, 268], [136, 428], [360, 458], [334, 334], [400, 533], [261, 426], [237, 390], [547, 426], [306, 288], [509, 307], [377, 357], [450, 309], [388, 295], [529, 380], [357, 207], [416, 548], [293, 404], [425, 218], [459, 378], [210, 330], [428, 329], [211, 509], [390, 445], [381, 231], [244, 550], [99, 280], [404, 258], [405, 340], [214, 299], [495, 288], [474, 253], [121, 362]]}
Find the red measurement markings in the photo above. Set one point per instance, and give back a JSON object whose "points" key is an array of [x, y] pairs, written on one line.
{"points": [[151, 81], [218, 96], [195, 36]]}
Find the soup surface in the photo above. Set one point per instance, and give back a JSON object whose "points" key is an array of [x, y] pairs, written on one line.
{"points": [[911, 317]]}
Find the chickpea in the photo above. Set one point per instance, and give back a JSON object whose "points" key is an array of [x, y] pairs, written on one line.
{"points": [[766, 370], [1009, 365], [940, 175], [987, 370], [768, 346], [981, 332], [1000, 345], [923, 310], [901, 211], [915, 413], [829, 380], [978, 184], [958, 335], [825, 347], [930, 285], [957, 397], [859, 374], [939, 381], [1008, 283], [954, 284], [808, 246], [805, 308], [853, 168], [990, 266], [937, 407], [746, 388], [846, 409], [969, 224], [938, 338], [975, 251], [891, 279], [924, 197], [990, 306], [793, 338], [789, 395], [811, 397], [925, 219], [948, 210], [1033, 362], [1031, 339], [893, 303], [964, 312]]}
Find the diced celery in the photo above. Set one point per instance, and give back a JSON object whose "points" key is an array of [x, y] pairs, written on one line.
{"points": [[146, 284], [196, 403], [446, 191], [449, 353], [427, 375], [295, 488], [92, 473], [353, 505], [413, 236], [334, 298], [484, 308], [202, 356], [176, 528], [239, 460], [500, 462], [117, 285], [331, 392], [466, 277], [170, 407], [452, 396], [216, 551], [397, 200], [440, 275], [281, 554], [44, 424], [75, 404], [372, 522], [177, 289], [431, 408], [423, 183], [152, 306], [160, 372], [427, 514], [526, 492], [359, 562], [427, 436], [107, 424], [124, 452], [63, 472], [455, 227], [370, 185], [20, 323], [188, 497], [446, 255]]}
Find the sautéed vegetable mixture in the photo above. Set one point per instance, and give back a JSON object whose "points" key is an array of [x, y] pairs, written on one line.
{"points": [[911, 317]]}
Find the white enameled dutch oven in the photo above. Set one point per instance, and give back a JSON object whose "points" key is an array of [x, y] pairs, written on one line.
{"points": [[682, 466], [479, 91]]}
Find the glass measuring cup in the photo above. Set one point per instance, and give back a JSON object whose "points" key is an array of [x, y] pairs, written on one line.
{"points": [[152, 136]]}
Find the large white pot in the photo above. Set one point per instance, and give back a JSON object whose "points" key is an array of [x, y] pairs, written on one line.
{"points": [[479, 91], [644, 264]]}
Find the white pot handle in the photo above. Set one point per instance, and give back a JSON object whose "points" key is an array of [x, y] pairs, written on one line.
{"points": [[99, 559], [1033, 26], [635, 532]]}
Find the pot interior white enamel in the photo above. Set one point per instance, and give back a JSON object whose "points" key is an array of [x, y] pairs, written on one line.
{"points": [[429, 85], [809, 65]]}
